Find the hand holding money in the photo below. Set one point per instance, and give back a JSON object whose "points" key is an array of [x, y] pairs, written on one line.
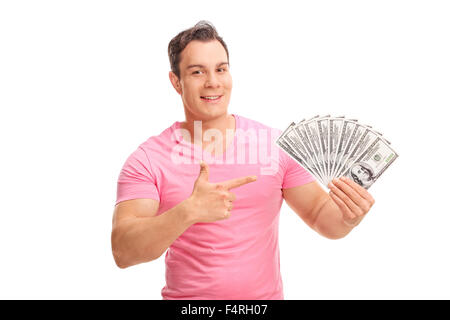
{"points": [[353, 200]]}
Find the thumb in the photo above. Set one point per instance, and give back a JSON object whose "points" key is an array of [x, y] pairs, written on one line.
{"points": [[204, 172]]}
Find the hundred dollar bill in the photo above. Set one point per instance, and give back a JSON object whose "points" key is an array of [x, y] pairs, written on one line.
{"points": [[297, 146], [314, 139], [347, 129], [322, 128], [371, 164], [306, 146], [283, 145], [295, 142], [367, 138], [355, 137], [309, 135], [291, 144], [335, 127]]}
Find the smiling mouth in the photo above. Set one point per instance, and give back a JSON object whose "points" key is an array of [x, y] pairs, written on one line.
{"points": [[210, 98]]}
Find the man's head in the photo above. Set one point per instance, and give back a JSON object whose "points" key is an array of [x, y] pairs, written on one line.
{"points": [[200, 71]]}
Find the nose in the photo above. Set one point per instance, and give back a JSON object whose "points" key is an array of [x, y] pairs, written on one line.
{"points": [[212, 81]]}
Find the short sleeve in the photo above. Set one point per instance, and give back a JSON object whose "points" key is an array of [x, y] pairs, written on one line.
{"points": [[294, 174], [136, 179]]}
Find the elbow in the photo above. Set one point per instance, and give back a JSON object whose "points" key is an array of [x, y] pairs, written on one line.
{"points": [[124, 263], [338, 235], [331, 234], [121, 265], [124, 257], [118, 254], [335, 236], [119, 260]]}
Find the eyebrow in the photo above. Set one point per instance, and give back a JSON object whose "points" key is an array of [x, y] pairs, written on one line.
{"points": [[202, 66]]}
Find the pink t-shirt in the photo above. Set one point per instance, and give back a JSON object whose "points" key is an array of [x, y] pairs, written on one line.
{"points": [[235, 258]]}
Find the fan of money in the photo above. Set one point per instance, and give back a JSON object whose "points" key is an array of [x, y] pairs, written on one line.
{"points": [[332, 147]]}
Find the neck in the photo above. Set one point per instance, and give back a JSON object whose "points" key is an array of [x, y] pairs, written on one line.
{"points": [[224, 123]]}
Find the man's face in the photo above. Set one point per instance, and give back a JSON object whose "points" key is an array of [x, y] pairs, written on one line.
{"points": [[205, 81]]}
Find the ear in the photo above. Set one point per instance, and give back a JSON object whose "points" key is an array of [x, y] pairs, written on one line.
{"points": [[175, 82]]}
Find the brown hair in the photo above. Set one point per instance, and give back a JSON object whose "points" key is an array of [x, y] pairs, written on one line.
{"points": [[203, 31]]}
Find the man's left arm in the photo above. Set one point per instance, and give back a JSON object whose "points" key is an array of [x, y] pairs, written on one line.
{"points": [[332, 214]]}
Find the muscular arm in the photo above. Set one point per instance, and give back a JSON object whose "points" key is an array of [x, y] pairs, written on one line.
{"points": [[138, 235], [317, 209]]}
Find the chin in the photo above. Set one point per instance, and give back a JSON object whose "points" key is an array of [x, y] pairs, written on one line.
{"points": [[205, 113], [215, 115], [212, 113]]}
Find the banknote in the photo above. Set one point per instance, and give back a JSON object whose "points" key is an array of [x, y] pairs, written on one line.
{"points": [[371, 164], [290, 139], [333, 146], [322, 129], [367, 138], [335, 128], [301, 134], [344, 138], [356, 135], [282, 144], [291, 144], [308, 133]]}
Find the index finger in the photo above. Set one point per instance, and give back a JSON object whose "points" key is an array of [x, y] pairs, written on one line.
{"points": [[237, 182]]}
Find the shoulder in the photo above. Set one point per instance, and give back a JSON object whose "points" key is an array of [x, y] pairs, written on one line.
{"points": [[150, 152], [160, 143]]}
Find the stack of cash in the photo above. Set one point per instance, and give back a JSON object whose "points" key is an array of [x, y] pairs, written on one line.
{"points": [[331, 147]]}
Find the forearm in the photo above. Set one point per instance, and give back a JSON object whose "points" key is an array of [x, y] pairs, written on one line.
{"points": [[140, 240], [330, 222]]}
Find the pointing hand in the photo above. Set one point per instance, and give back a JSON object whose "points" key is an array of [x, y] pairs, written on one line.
{"points": [[214, 201]]}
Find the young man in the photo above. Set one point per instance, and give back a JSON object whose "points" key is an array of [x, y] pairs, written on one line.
{"points": [[215, 210]]}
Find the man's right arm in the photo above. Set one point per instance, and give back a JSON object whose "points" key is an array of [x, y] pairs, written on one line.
{"points": [[138, 235]]}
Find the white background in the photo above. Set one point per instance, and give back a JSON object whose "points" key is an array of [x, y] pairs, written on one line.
{"points": [[83, 83]]}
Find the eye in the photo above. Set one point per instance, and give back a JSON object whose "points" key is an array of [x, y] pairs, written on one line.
{"points": [[222, 69], [196, 72]]}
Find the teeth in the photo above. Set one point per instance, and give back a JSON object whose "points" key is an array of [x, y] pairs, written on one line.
{"points": [[211, 98]]}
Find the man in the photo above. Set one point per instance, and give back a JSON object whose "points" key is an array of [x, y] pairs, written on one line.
{"points": [[218, 220]]}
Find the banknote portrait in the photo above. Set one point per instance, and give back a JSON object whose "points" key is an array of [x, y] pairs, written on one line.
{"points": [[362, 174]]}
